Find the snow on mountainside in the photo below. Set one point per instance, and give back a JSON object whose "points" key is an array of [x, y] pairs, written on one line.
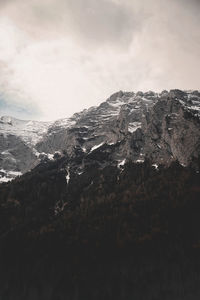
{"points": [[127, 126], [108, 122], [29, 131], [17, 141]]}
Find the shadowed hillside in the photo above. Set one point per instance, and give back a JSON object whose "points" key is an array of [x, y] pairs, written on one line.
{"points": [[119, 234]]}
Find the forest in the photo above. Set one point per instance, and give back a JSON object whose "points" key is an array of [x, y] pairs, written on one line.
{"points": [[111, 233]]}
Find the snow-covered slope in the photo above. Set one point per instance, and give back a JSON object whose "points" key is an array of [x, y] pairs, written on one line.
{"points": [[29, 131], [17, 141]]}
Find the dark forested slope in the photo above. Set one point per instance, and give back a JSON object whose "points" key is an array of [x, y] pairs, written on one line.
{"points": [[110, 233]]}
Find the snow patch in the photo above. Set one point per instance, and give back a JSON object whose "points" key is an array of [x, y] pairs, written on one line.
{"points": [[133, 126], [121, 163], [6, 176], [14, 173], [155, 166], [194, 107], [140, 161], [50, 156], [96, 147], [67, 175], [5, 179], [30, 132], [80, 172]]}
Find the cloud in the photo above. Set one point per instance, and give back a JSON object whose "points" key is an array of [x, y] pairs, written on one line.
{"points": [[62, 56], [88, 21], [11, 108]]}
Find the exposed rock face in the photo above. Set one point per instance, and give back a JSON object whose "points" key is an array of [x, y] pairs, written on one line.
{"points": [[172, 128], [115, 121], [163, 127], [15, 154], [107, 123], [128, 126]]}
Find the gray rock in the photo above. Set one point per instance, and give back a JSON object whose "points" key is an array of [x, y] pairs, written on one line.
{"points": [[127, 126]]}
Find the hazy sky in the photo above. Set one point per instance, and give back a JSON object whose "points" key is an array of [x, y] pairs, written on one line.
{"points": [[60, 56]]}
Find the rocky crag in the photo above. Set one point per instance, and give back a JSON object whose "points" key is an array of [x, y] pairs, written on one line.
{"points": [[128, 126]]}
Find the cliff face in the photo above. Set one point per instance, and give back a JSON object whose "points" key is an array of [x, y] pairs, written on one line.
{"points": [[17, 146], [111, 122], [172, 129], [15, 155], [128, 127]]}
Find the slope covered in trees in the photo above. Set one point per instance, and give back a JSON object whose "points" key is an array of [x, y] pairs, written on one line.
{"points": [[116, 234]]}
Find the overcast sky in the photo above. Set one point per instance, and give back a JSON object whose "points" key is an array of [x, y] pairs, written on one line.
{"points": [[60, 56]]}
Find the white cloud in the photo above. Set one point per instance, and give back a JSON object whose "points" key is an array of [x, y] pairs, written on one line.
{"points": [[58, 58]]}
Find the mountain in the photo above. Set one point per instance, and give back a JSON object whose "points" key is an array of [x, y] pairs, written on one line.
{"points": [[163, 127], [17, 145], [108, 204]]}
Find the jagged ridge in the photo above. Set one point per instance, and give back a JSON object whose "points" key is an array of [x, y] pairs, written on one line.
{"points": [[160, 126]]}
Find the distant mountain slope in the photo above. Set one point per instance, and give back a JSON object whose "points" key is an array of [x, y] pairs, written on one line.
{"points": [[130, 126], [17, 145]]}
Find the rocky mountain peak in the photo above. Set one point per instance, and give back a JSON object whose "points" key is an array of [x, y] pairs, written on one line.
{"points": [[127, 126]]}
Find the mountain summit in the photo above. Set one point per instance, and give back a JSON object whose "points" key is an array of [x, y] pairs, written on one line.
{"points": [[129, 126]]}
